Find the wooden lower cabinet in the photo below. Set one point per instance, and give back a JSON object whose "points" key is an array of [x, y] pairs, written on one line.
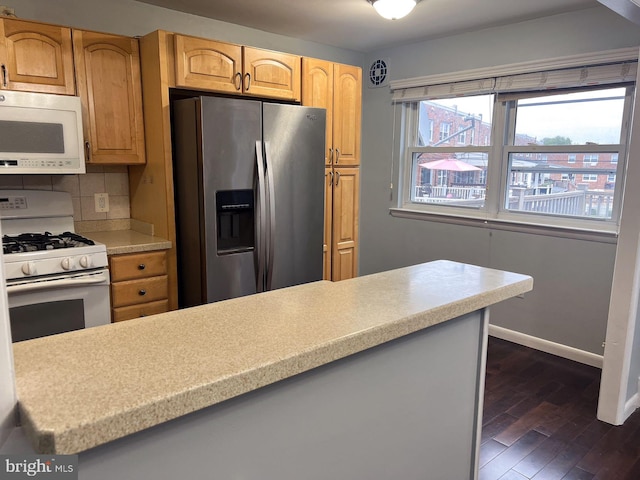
{"points": [[342, 199], [139, 285]]}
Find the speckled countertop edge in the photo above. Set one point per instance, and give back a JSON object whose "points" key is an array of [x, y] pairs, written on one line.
{"points": [[120, 242], [158, 379]]}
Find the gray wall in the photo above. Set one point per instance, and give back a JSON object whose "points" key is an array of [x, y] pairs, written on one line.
{"points": [[572, 278], [126, 17], [634, 368]]}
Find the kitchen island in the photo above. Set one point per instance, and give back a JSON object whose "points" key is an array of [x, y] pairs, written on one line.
{"points": [[379, 376]]}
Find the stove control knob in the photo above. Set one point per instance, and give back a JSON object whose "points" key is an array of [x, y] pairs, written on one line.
{"points": [[85, 262], [29, 268], [66, 263]]}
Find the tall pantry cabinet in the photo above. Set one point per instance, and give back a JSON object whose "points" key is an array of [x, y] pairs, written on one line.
{"points": [[338, 89]]}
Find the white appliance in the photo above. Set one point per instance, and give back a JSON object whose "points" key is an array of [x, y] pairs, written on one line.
{"points": [[40, 133], [57, 281]]}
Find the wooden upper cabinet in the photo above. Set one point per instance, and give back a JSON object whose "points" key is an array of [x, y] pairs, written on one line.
{"points": [[317, 91], [207, 64], [109, 84], [338, 88], [347, 121], [224, 67], [271, 74], [36, 57]]}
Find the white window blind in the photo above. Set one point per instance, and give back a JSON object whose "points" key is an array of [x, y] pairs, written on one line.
{"points": [[607, 74]]}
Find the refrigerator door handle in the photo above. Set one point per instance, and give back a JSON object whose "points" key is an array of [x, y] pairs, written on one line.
{"points": [[262, 218], [272, 216]]}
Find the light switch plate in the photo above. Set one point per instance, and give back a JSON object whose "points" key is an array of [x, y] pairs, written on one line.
{"points": [[102, 202]]}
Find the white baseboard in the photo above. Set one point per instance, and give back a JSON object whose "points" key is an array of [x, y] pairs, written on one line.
{"points": [[558, 349]]}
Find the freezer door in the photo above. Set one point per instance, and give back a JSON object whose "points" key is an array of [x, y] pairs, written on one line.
{"points": [[230, 129], [215, 166], [294, 139]]}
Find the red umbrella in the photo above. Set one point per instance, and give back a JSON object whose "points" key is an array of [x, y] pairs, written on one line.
{"points": [[449, 164]]}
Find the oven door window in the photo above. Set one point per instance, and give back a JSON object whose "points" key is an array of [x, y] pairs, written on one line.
{"points": [[47, 318]]}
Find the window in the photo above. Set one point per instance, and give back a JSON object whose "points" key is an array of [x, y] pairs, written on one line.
{"points": [[459, 173], [590, 160], [445, 131], [544, 157], [586, 123]]}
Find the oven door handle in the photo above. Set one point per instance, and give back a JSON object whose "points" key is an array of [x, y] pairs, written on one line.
{"points": [[102, 277]]}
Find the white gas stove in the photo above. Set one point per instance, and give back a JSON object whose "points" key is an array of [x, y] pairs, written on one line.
{"points": [[38, 236], [56, 279]]}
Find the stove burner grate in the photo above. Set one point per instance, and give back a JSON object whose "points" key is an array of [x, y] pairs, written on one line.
{"points": [[31, 242]]}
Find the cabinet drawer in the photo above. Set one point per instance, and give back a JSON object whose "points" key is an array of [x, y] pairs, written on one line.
{"points": [[133, 292], [143, 310], [139, 265]]}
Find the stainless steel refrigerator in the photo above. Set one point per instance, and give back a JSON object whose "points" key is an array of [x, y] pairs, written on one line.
{"points": [[249, 184]]}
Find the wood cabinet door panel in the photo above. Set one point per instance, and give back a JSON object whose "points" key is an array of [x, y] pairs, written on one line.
{"points": [[346, 193], [328, 212], [137, 311], [317, 91], [345, 264], [139, 265], [207, 64], [36, 57], [133, 292], [347, 115], [271, 74], [108, 70]]}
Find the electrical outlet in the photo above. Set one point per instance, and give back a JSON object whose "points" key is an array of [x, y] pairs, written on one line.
{"points": [[102, 202]]}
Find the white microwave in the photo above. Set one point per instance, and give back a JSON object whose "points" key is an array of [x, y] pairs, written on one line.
{"points": [[40, 134]]}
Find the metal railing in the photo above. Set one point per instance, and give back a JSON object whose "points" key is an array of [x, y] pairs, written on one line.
{"points": [[583, 203]]}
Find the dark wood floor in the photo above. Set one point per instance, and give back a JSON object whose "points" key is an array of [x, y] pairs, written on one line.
{"points": [[540, 421]]}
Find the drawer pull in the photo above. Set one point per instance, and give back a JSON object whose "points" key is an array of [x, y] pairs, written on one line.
{"points": [[142, 266], [142, 292]]}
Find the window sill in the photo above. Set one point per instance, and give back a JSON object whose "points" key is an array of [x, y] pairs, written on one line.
{"points": [[592, 235]]}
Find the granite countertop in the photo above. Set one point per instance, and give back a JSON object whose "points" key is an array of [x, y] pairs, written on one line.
{"points": [[128, 241], [84, 388]]}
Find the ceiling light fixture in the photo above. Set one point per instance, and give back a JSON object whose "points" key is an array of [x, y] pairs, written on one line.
{"points": [[393, 9]]}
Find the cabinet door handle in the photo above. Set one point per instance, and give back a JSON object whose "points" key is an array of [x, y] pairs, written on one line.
{"points": [[247, 78], [337, 178], [237, 81], [330, 156], [87, 148], [330, 178], [142, 292], [337, 155], [142, 266], [4, 75]]}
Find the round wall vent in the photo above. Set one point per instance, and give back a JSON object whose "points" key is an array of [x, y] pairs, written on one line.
{"points": [[378, 73]]}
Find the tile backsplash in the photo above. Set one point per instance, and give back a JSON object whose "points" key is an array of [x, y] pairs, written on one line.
{"points": [[113, 180]]}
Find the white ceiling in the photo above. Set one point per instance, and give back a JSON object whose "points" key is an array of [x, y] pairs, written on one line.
{"points": [[354, 24]]}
